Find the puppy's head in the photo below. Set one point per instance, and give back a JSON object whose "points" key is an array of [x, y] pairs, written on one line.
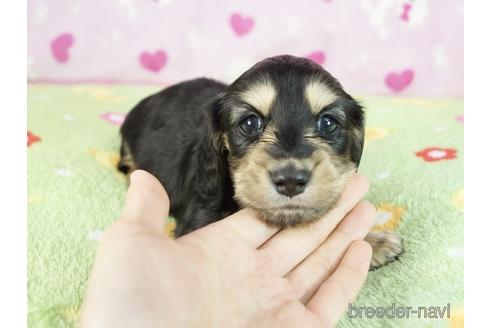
{"points": [[293, 136]]}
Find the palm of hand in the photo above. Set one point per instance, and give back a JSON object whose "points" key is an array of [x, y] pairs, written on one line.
{"points": [[234, 273]]}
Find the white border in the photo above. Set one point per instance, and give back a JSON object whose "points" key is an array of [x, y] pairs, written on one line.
{"points": [[478, 164], [13, 239]]}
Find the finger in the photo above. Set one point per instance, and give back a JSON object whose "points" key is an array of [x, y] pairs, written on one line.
{"points": [[332, 299], [243, 225], [146, 202], [290, 246], [313, 271]]}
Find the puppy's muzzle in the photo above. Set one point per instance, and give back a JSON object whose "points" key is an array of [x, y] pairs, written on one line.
{"points": [[290, 181]]}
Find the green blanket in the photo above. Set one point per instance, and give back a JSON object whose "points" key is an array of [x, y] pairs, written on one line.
{"points": [[413, 157]]}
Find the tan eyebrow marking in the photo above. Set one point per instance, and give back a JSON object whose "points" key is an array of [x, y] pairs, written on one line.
{"points": [[261, 96], [319, 96]]}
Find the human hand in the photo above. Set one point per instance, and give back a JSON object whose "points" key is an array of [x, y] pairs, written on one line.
{"points": [[237, 272]]}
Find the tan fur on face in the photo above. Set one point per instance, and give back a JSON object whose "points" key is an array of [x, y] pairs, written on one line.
{"points": [[318, 96], [260, 95], [329, 174]]}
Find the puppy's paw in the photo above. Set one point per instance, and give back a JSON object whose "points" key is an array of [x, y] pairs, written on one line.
{"points": [[386, 246]]}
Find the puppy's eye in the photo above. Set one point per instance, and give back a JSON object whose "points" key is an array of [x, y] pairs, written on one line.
{"points": [[251, 125], [326, 125]]}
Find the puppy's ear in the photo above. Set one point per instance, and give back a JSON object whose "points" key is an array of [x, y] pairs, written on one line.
{"points": [[357, 145], [216, 113], [356, 115], [218, 123], [210, 172], [210, 164]]}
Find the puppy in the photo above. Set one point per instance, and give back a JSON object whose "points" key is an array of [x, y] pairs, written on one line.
{"points": [[282, 139]]}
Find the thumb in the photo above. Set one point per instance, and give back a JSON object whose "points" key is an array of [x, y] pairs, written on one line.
{"points": [[146, 202]]}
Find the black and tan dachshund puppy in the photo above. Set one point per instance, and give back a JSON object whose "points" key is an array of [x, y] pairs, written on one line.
{"points": [[282, 139]]}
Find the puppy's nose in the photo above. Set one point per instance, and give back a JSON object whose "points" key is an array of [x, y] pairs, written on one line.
{"points": [[290, 181]]}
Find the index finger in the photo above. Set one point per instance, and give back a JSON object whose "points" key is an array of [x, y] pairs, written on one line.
{"points": [[244, 225]]}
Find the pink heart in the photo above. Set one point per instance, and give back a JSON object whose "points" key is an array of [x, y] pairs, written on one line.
{"points": [[60, 46], [241, 25], [406, 9], [153, 62], [317, 56], [399, 81]]}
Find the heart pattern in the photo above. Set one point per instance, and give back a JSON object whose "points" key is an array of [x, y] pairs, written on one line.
{"points": [[241, 25], [406, 10], [399, 81], [318, 57], [60, 47], [223, 43], [153, 62]]}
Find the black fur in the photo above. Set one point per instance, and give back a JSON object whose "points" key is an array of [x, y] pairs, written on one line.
{"points": [[169, 135]]}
